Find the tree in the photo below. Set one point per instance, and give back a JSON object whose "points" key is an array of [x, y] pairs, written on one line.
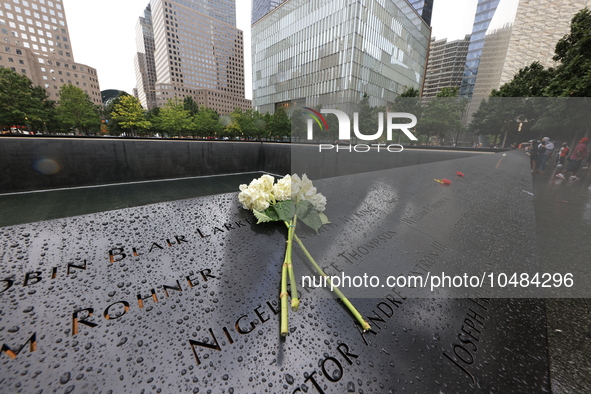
{"points": [[21, 103], [443, 114], [174, 118], [190, 105], [498, 116], [75, 110], [152, 117], [244, 124], [572, 77], [298, 125], [207, 123], [279, 124], [367, 118], [530, 81], [129, 114], [112, 124], [409, 102]]}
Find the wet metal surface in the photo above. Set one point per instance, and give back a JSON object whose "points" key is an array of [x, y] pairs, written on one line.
{"points": [[563, 227], [182, 296], [27, 207]]}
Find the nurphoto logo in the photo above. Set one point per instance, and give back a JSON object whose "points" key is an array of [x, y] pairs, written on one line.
{"points": [[345, 129]]}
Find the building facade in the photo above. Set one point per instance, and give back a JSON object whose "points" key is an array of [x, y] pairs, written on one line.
{"points": [[424, 9], [261, 8], [445, 67], [522, 32], [197, 51], [36, 43], [332, 52], [485, 10], [145, 68]]}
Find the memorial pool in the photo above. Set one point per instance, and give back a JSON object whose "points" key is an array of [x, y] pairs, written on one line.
{"points": [[27, 207]]}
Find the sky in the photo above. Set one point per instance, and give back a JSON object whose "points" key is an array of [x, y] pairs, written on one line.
{"points": [[103, 35]]}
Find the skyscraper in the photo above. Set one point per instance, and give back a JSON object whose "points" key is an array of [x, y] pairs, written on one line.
{"points": [[445, 67], [197, 51], [309, 52], [261, 8], [424, 8], [145, 68], [485, 10], [37, 44], [520, 33]]}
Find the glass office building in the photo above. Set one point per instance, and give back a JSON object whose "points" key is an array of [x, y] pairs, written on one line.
{"points": [[424, 8], [307, 52], [485, 10], [261, 8], [191, 48]]}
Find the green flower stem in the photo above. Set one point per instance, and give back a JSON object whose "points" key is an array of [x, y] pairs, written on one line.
{"points": [[283, 298], [365, 325], [295, 301]]}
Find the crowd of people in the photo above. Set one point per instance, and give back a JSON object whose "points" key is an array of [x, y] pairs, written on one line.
{"points": [[542, 151]]}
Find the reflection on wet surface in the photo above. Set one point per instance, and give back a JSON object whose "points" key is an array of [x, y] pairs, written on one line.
{"points": [[32, 207], [563, 228]]}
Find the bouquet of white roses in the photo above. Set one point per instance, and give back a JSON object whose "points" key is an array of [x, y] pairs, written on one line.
{"points": [[288, 200]]}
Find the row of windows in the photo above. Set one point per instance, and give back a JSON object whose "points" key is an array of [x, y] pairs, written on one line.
{"points": [[23, 71], [11, 60], [25, 3], [10, 15]]}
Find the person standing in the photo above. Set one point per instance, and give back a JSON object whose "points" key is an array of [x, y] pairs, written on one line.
{"points": [[563, 154], [576, 158], [533, 154], [545, 150], [587, 162]]}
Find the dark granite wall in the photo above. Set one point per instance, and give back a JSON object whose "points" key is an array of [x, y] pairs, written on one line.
{"points": [[48, 163]]}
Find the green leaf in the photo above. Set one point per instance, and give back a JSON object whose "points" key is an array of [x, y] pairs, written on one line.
{"points": [[323, 218], [268, 216], [285, 210], [312, 219], [303, 207]]}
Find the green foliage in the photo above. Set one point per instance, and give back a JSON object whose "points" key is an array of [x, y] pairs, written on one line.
{"points": [[174, 118], [367, 119], [409, 102], [443, 114], [279, 124], [152, 117], [75, 110], [190, 105], [112, 125], [530, 81], [247, 124], [497, 115], [544, 116], [207, 123], [285, 210], [129, 114], [298, 125], [572, 77], [21, 103]]}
